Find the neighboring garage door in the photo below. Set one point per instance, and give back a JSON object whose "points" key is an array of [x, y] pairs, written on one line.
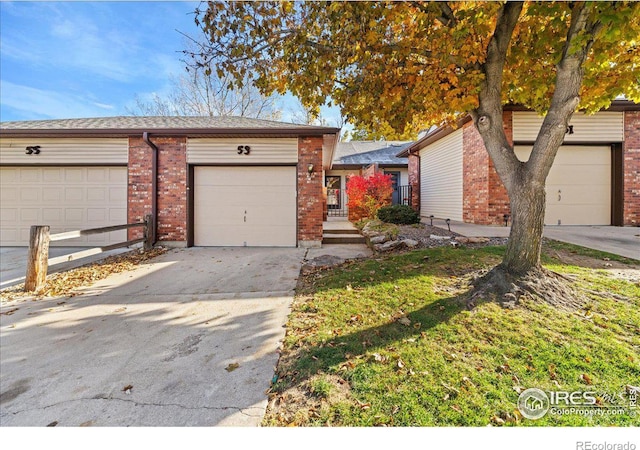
{"points": [[245, 206], [578, 186], [66, 198]]}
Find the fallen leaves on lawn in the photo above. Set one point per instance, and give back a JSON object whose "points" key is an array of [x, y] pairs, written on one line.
{"points": [[231, 367], [63, 284], [586, 378]]}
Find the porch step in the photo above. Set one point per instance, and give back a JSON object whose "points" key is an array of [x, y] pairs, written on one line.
{"points": [[342, 239], [341, 231]]}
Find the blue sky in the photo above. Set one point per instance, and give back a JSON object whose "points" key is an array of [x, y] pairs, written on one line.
{"points": [[90, 59]]}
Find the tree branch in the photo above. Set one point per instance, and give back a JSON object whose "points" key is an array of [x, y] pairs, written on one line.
{"points": [[566, 95], [488, 116]]}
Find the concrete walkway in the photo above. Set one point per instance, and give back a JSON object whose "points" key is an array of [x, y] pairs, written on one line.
{"points": [[189, 339], [623, 241]]}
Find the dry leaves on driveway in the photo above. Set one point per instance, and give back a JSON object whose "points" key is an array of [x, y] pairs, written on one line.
{"points": [[63, 284]]}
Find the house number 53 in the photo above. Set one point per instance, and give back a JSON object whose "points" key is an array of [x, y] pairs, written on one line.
{"points": [[244, 149]]}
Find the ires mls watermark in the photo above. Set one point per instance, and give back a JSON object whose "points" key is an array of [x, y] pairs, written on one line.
{"points": [[535, 403]]}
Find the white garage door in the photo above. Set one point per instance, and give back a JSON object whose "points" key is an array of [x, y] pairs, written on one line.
{"points": [[65, 198], [245, 206], [578, 186]]}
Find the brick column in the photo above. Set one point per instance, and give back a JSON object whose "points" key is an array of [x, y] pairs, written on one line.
{"points": [[172, 187], [498, 202], [631, 168], [310, 202], [414, 181], [475, 177]]}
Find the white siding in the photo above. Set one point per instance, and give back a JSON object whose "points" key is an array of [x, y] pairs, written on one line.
{"points": [[65, 151], [605, 126], [441, 178], [225, 151]]}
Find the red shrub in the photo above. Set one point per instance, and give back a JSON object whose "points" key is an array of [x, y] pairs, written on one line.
{"points": [[367, 195]]}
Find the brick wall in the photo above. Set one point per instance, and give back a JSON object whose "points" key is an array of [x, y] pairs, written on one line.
{"points": [[310, 199], [631, 162], [475, 173], [414, 181], [138, 184], [485, 199], [498, 202], [172, 186]]}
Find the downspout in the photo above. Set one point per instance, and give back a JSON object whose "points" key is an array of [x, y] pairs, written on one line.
{"points": [[154, 185]]}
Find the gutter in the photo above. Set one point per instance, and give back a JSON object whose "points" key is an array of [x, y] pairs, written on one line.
{"points": [[154, 186], [191, 132]]}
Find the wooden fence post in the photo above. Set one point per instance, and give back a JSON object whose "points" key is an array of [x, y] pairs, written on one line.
{"points": [[37, 258], [148, 232]]}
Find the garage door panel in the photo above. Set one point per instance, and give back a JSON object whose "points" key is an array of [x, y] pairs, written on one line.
{"points": [[30, 175], [245, 206], [580, 175], [9, 234], [65, 198], [29, 194], [576, 195], [575, 215], [30, 215], [578, 185]]}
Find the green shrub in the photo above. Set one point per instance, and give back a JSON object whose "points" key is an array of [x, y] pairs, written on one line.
{"points": [[398, 214]]}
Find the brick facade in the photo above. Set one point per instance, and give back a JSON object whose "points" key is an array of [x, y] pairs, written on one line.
{"points": [[172, 186], [414, 181], [310, 195], [475, 177], [631, 168], [138, 184], [485, 199]]}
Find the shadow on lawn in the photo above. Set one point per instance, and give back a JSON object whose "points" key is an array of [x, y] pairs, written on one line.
{"points": [[327, 356]]}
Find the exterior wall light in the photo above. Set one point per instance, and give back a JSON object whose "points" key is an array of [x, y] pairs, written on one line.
{"points": [[310, 169]]}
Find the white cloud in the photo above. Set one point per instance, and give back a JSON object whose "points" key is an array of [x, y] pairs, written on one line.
{"points": [[32, 102]]}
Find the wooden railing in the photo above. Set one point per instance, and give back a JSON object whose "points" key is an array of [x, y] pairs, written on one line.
{"points": [[38, 260]]}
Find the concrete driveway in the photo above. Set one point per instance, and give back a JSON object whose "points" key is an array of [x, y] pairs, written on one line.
{"points": [[188, 340], [623, 241]]}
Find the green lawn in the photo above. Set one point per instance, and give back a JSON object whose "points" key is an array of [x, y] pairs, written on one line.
{"points": [[388, 341]]}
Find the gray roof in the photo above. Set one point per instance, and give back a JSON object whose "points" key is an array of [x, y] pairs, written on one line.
{"points": [[363, 153], [155, 123]]}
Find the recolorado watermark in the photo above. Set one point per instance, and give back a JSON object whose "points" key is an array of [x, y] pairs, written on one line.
{"points": [[535, 403], [588, 445]]}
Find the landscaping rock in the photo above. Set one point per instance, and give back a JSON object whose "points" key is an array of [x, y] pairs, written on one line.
{"points": [[472, 240], [381, 239], [410, 243], [322, 262], [439, 238], [387, 246]]}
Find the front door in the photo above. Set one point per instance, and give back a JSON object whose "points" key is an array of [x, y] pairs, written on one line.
{"points": [[332, 183], [395, 181]]}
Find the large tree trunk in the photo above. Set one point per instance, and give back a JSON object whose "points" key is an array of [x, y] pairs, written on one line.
{"points": [[525, 240]]}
